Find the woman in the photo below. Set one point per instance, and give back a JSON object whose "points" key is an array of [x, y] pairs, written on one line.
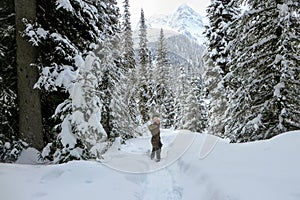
{"points": [[155, 140]]}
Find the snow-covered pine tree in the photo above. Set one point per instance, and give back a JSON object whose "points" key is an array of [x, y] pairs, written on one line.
{"points": [[62, 50], [8, 84], [122, 115], [128, 55], [264, 72], [81, 130], [122, 122], [112, 72], [222, 14], [195, 112], [87, 105], [124, 107], [143, 71], [216, 96], [288, 61], [180, 97], [163, 93]]}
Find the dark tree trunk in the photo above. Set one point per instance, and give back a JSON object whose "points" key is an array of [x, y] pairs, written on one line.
{"points": [[30, 118]]}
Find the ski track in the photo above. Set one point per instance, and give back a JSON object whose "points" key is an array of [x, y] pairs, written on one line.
{"points": [[167, 189], [162, 184]]}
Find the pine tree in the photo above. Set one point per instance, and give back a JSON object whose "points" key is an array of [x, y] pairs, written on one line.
{"points": [[123, 105], [9, 137], [263, 72], [87, 105], [195, 113], [62, 50], [222, 15], [123, 122], [180, 98], [127, 41], [164, 94], [82, 133], [112, 72], [144, 89]]}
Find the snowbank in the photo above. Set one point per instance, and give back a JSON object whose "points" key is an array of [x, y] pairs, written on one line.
{"points": [[192, 167]]}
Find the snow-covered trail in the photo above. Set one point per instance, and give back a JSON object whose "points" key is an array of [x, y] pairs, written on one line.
{"points": [[259, 170], [134, 156], [160, 179], [167, 189]]}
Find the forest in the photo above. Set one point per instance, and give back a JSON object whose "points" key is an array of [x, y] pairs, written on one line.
{"points": [[72, 82]]}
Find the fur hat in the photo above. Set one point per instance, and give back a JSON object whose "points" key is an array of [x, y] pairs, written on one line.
{"points": [[156, 120]]}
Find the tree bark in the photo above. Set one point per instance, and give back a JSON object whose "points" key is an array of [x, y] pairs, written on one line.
{"points": [[30, 116]]}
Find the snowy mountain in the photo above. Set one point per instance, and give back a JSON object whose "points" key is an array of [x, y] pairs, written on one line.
{"points": [[182, 50], [183, 31], [194, 166], [184, 20]]}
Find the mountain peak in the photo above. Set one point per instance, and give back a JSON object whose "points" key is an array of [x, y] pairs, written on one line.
{"points": [[184, 20], [185, 9], [184, 6]]}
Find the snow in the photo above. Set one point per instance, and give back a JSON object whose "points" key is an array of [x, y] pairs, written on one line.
{"points": [[185, 21], [193, 166], [67, 139], [7, 145], [42, 33], [65, 4], [29, 156], [277, 89], [66, 77], [283, 8]]}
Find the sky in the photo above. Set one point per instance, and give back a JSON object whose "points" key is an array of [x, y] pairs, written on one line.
{"points": [[153, 7]]}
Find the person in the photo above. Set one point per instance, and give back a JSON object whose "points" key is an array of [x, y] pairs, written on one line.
{"points": [[155, 140]]}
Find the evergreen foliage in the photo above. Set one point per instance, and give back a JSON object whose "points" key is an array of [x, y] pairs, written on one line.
{"points": [[222, 15], [180, 99], [195, 112], [143, 72], [123, 105], [164, 94], [264, 72], [10, 145], [111, 71], [128, 54], [62, 51]]}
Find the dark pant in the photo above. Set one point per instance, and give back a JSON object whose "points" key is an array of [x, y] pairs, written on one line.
{"points": [[157, 152]]}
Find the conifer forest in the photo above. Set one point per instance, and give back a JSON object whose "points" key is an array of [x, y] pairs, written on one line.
{"points": [[75, 75]]}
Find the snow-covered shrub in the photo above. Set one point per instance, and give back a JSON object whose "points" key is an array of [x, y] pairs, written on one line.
{"points": [[10, 148]]}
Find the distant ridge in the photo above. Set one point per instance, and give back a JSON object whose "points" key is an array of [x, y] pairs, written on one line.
{"points": [[184, 20]]}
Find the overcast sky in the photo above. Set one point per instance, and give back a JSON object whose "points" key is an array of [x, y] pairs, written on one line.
{"points": [[152, 7]]}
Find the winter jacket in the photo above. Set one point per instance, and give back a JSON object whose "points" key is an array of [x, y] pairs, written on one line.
{"points": [[155, 140]]}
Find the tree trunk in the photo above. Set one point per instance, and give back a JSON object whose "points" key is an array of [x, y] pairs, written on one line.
{"points": [[30, 116]]}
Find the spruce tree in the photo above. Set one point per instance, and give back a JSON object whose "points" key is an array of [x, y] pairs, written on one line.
{"points": [[264, 73], [195, 113], [9, 137], [180, 98], [123, 105], [143, 74], [163, 91], [112, 71], [127, 41], [222, 15], [123, 120], [62, 50]]}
